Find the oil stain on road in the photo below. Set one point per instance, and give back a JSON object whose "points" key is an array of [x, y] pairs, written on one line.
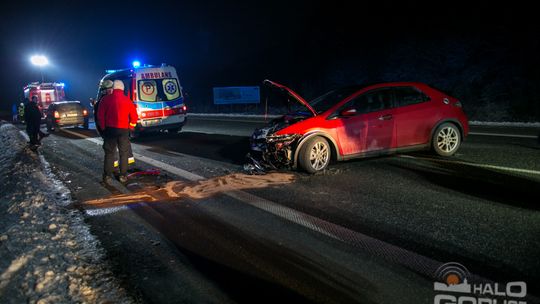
{"points": [[175, 190]]}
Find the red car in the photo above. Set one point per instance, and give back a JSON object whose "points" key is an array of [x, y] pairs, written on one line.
{"points": [[360, 121]]}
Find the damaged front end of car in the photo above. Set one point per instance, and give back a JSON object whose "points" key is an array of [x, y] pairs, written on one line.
{"points": [[271, 152]]}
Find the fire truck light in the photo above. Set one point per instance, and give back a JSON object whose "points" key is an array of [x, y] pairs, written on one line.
{"points": [[39, 60], [136, 64]]}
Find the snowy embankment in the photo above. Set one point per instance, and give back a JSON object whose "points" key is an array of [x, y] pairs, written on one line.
{"points": [[47, 252]]}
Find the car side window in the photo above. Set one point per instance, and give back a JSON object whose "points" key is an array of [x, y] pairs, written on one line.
{"points": [[372, 101], [409, 95]]}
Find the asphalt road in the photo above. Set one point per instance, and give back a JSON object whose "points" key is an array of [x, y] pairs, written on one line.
{"points": [[367, 231]]}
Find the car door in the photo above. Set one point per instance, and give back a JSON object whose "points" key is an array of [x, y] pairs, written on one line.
{"points": [[415, 115], [379, 116], [366, 123]]}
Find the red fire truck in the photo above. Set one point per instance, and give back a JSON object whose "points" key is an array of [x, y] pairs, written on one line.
{"points": [[46, 93]]}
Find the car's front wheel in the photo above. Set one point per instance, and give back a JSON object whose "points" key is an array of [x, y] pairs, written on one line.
{"points": [[314, 155], [446, 139]]}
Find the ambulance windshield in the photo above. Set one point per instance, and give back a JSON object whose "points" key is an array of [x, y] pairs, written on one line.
{"points": [[158, 89]]}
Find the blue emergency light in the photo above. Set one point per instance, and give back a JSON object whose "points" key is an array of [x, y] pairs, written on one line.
{"points": [[136, 64]]}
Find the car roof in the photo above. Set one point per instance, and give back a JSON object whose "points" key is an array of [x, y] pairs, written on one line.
{"points": [[395, 84]]}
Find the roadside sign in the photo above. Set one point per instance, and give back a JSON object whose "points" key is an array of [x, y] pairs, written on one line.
{"points": [[236, 95]]}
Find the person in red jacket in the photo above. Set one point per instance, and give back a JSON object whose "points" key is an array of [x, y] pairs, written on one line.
{"points": [[117, 115]]}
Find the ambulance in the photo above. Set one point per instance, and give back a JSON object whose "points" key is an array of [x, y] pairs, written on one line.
{"points": [[46, 93], [157, 95]]}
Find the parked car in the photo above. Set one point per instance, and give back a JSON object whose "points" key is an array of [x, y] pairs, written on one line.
{"points": [[66, 114], [360, 121]]}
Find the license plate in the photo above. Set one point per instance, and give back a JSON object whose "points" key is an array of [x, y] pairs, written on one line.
{"points": [[152, 122], [72, 115]]}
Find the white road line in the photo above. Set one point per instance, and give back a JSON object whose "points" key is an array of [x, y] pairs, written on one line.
{"points": [[502, 135], [518, 170]]}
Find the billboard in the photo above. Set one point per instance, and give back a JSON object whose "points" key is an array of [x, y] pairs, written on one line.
{"points": [[234, 95]]}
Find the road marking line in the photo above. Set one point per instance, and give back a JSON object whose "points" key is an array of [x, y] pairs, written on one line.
{"points": [[473, 164], [373, 246], [502, 135]]}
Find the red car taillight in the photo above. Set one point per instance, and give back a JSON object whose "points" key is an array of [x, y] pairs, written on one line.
{"points": [[56, 114], [184, 109]]}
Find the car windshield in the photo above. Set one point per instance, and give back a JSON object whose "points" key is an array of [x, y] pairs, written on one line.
{"points": [[327, 100]]}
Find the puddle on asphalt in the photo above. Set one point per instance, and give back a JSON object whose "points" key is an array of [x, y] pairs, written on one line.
{"points": [[176, 190]]}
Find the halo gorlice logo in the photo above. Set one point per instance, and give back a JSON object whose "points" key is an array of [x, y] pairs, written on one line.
{"points": [[453, 287], [454, 276]]}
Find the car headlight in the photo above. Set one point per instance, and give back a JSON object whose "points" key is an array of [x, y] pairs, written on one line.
{"points": [[281, 138]]}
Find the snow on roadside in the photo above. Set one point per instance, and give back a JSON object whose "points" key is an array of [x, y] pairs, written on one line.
{"points": [[47, 252]]}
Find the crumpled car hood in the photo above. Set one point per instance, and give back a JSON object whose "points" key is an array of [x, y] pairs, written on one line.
{"points": [[259, 136]]}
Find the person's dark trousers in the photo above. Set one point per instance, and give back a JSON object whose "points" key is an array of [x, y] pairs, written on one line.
{"points": [[113, 138], [33, 132]]}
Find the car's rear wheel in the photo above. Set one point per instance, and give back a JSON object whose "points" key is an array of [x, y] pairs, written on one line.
{"points": [[50, 126], [446, 139], [174, 130], [314, 155]]}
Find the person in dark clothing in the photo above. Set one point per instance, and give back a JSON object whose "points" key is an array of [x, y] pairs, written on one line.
{"points": [[117, 115], [32, 116]]}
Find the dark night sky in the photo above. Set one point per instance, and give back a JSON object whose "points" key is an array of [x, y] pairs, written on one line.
{"points": [[220, 43]]}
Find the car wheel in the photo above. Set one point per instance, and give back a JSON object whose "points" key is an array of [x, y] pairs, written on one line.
{"points": [[85, 125], [50, 126], [315, 155], [174, 130], [446, 139]]}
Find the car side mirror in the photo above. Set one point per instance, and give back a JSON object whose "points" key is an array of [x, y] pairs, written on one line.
{"points": [[348, 112]]}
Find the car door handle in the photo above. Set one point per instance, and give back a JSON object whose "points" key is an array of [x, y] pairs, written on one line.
{"points": [[386, 117]]}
